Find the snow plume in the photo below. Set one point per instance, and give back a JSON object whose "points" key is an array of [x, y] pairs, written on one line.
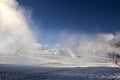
{"points": [[16, 35], [87, 45], [15, 32]]}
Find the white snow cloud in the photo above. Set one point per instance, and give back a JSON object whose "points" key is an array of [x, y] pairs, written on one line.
{"points": [[14, 27]]}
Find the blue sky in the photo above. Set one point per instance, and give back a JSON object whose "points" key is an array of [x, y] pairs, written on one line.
{"points": [[74, 16]]}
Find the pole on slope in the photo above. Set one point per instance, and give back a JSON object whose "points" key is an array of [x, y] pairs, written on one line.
{"points": [[115, 59]]}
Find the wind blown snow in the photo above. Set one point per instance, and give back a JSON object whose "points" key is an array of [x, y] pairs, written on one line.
{"points": [[15, 32], [78, 50]]}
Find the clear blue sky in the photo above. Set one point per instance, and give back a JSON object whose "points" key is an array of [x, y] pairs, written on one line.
{"points": [[75, 16]]}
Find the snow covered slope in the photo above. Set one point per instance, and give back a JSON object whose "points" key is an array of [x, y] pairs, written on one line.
{"points": [[55, 58], [15, 72]]}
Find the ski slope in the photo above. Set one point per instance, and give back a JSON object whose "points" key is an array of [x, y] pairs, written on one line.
{"points": [[56, 58]]}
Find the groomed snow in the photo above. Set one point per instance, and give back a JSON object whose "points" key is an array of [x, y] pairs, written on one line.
{"points": [[56, 60]]}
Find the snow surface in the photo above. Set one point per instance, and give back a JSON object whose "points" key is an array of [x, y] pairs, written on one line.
{"points": [[55, 59], [15, 72]]}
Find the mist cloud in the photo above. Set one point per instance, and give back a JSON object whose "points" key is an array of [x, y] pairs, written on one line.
{"points": [[15, 32]]}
